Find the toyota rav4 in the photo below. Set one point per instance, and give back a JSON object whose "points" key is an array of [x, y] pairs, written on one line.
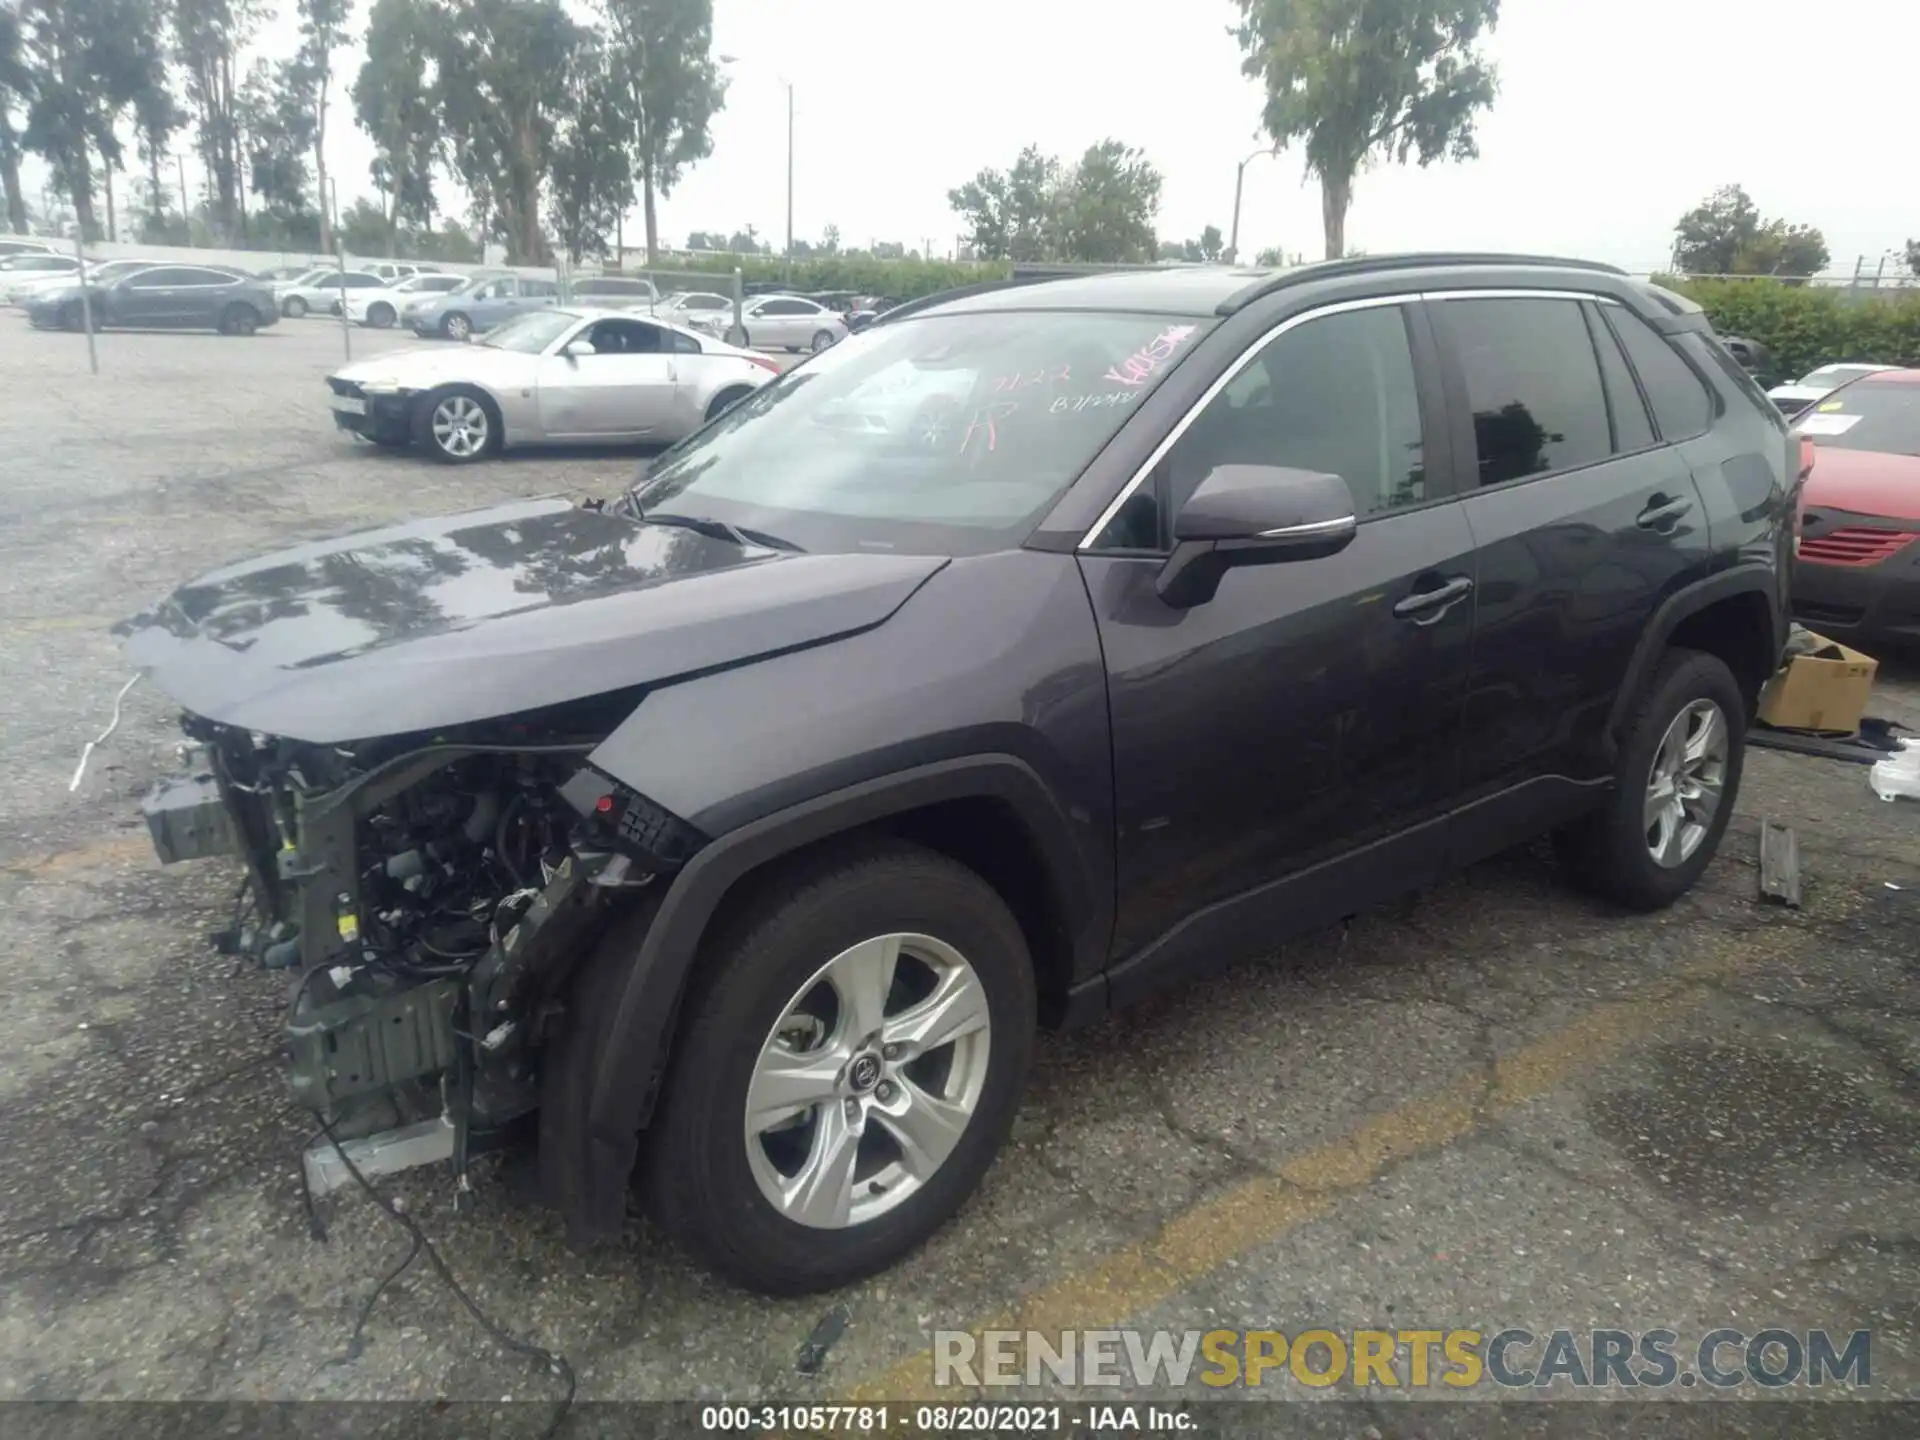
{"points": [[1040, 646]]}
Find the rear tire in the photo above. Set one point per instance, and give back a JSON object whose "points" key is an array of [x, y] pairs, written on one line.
{"points": [[704, 1179], [381, 316], [726, 400], [1612, 852]]}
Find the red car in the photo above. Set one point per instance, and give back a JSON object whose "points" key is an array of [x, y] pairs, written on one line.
{"points": [[1858, 576]]}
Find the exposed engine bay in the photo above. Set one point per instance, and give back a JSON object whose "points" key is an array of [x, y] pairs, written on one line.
{"points": [[430, 897]]}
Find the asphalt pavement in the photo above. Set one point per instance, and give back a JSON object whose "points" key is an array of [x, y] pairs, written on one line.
{"points": [[1499, 1105]]}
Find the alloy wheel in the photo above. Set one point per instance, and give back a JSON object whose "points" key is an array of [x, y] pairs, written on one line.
{"points": [[460, 426], [1687, 782], [458, 327], [867, 1081]]}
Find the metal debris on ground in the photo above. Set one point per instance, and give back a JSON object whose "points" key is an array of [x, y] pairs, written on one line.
{"points": [[813, 1352]]}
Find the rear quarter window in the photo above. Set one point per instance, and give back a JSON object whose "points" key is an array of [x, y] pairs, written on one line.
{"points": [[1682, 404]]}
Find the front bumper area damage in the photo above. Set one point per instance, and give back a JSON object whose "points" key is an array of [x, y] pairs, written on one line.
{"points": [[430, 902]]}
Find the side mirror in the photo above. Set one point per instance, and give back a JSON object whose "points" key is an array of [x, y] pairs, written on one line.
{"points": [[1253, 515], [576, 348]]}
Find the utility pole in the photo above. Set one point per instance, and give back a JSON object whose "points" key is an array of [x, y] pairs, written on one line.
{"points": [[186, 215], [1239, 184], [789, 279]]}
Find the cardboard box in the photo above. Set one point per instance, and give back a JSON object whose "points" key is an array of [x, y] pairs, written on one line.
{"points": [[1826, 689]]}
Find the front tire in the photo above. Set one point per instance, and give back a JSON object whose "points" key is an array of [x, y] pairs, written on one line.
{"points": [[295, 308], [1675, 785], [849, 1068], [821, 340], [456, 426], [456, 326]]}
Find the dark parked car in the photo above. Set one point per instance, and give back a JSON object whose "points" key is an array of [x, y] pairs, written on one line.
{"points": [[190, 297], [1754, 358], [1858, 574], [869, 308], [1056, 643]]}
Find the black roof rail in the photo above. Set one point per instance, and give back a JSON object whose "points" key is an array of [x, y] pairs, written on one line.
{"points": [[1372, 264], [957, 292]]}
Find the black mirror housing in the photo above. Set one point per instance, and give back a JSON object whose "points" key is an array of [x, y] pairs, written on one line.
{"points": [[1253, 515]]}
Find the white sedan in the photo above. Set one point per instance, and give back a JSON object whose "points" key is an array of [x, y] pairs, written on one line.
{"points": [[321, 291], [381, 305], [785, 322], [564, 375], [38, 282]]}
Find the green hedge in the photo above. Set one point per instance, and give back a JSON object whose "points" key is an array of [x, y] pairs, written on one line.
{"points": [[903, 279], [1806, 326]]}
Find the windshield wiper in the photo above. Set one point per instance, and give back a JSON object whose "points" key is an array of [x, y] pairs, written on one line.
{"points": [[719, 530]]}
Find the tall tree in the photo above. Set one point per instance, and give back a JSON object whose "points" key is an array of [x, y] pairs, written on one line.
{"points": [[505, 68], [1361, 80], [209, 38], [590, 181], [1100, 209], [87, 61], [1108, 205], [323, 30], [664, 51], [16, 95], [394, 98], [275, 115], [1913, 255], [1725, 234], [155, 117], [1013, 214]]}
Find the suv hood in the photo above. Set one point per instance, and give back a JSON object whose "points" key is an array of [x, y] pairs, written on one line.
{"points": [[491, 613]]}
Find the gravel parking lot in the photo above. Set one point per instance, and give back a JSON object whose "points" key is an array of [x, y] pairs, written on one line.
{"points": [[1496, 1106]]}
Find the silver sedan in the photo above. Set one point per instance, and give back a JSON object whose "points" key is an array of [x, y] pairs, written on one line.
{"points": [[553, 376]]}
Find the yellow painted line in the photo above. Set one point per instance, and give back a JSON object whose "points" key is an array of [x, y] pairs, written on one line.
{"points": [[1260, 1210]]}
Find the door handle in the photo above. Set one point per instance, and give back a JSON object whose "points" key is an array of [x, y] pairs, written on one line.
{"points": [[1424, 607], [1662, 513]]}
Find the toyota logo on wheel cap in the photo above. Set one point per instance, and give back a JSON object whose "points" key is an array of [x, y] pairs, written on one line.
{"points": [[864, 1073]]}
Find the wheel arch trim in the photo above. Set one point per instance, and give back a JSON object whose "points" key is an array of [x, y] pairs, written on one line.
{"points": [[620, 1079], [1676, 608]]}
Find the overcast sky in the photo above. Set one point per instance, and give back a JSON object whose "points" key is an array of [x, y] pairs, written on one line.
{"points": [[1612, 121]]}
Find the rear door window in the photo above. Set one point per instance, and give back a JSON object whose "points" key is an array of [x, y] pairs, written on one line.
{"points": [[1682, 404], [1626, 408], [1533, 385]]}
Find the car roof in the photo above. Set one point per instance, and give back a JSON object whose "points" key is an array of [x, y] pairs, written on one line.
{"points": [[1193, 290], [1889, 377]]}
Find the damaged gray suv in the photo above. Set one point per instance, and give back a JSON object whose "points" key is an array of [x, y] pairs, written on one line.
{"points": [[1039, 646]]}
